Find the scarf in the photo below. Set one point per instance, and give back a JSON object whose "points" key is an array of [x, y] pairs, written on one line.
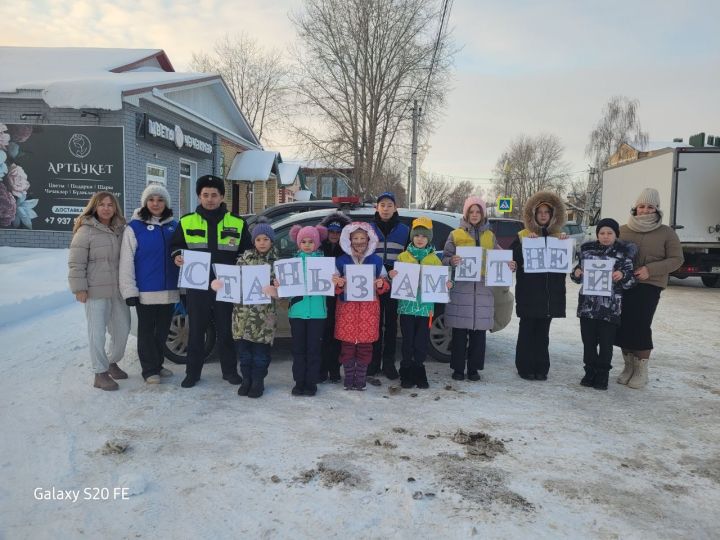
{"points": [[646, 223]]}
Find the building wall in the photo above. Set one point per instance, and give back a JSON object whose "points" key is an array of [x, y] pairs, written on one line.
{"points": [[137, 152]]}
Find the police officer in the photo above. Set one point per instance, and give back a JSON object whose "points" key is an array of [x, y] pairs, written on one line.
{"points": [[210, 229]]}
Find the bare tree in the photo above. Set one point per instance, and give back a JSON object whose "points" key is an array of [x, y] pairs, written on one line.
{"points": [[433, 191], [361, 64], [461, 191], [619, 124], [256, 78], [530, 164], [393, 180]]}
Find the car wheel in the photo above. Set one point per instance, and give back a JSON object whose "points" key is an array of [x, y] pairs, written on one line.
{"points": [[440, 337], [175, 348], [711, 281]]}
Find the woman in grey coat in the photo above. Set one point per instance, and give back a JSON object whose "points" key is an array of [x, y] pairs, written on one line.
{"points": [[93, 263], [470, 312]]}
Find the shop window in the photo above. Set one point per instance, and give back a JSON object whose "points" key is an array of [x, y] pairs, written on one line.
{"points": [[311, 184], [188, 198]]}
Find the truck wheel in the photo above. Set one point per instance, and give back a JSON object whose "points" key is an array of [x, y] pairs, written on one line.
{"points": [[711, 281], [175, 348]]}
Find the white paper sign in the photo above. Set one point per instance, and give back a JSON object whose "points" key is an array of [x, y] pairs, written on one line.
{"points": [[254, 278], [195, 271], [320, 271], [433, 284], [497, 271], [229, 274], [405, 284], [597, 277], [470, 266], [534, 255], [559, 255], [289, 273], [359, 282]]}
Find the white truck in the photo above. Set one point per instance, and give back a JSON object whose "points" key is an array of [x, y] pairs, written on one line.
{"points": [[688, 180]]}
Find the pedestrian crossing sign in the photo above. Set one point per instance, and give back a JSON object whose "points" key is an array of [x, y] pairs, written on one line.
{"points": [[504, 204]]}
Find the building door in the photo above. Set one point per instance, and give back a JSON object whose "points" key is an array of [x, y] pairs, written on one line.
{"points": [[188, 176]]}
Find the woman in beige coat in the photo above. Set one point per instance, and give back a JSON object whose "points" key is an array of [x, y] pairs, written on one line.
{"points": [[659, 253], [93, 263]]}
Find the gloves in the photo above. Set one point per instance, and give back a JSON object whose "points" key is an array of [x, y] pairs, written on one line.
{"points": [[132, 301]]}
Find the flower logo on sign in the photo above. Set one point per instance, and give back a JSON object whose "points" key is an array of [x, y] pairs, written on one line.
{"points": [[179, 137], [79, 145]]}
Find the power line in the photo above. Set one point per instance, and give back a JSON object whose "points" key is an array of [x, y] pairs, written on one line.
{"points": [[446, 11]]}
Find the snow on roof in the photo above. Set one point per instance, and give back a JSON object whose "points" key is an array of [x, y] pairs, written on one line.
{"points": [[252, 166], [288, 172], [79, 78]]}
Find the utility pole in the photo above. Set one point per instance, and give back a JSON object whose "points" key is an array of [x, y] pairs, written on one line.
{"points": [[413, 156], [589, 204]]}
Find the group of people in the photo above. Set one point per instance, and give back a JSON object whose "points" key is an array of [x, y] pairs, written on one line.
{"points": [[114, 265]]}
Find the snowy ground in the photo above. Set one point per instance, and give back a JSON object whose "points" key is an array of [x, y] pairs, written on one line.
{"points": [[556, 461]]}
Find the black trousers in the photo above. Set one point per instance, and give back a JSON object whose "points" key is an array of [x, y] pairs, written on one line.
{"points": [[330, 354], [415, 340], [474, 351], [202, 308], [306, 341], [152, 332], [384, 347], [531, 354], [598, 338]]}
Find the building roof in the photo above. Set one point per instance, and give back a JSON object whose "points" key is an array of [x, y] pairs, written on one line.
{"points": [[98, 78]]}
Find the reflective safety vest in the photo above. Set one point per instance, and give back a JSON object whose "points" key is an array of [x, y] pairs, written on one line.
{"points": [[195, 231]]}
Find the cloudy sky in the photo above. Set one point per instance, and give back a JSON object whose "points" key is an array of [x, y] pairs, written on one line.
{"points": [[524, 67]]}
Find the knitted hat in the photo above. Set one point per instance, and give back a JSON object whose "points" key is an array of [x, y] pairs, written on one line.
{"points": [[155, 190], [608, 222], [317, 234], [335, 221], [262, 226], [386, 195], [210, 181], [422, 226], [471, 200], [648, 196]]}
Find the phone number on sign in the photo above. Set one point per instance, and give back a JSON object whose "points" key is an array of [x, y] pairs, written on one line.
{"points": [[85, 494]]}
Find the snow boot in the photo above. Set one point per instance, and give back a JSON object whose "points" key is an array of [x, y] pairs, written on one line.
{"points": [[406, 377], [246, 372], [390, 371], [165, 372], [233, 379], [360, 377], [189, 381], [350, 375], [310, 389], [458, 375], [116, 373], [639, 377], [298, 389], [105, 382], [589, 378], [627, 373], [473, 376], [421, 377], [153, 379], [257, 388], [600, 380]]}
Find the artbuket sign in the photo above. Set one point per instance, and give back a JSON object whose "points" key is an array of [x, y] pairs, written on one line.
{"points": [[170, 135], [49, 172]]}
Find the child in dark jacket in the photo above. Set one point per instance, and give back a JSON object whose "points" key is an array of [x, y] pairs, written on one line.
{"points": [[600, 315], [393, 236], [329, 361], [357, 324]]}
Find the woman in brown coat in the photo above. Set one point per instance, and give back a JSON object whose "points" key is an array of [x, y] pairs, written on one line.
{"points": [[659, 253], [94, 263]]}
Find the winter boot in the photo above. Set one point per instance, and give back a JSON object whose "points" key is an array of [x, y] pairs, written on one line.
{"points": [[247, 380], [390, 371], [298, 389], [473, 376], [360, 376], [233, 379], [189, 381], [639, 377], [627, 373], [600, 381], [105, 382], [458, 375], [589, 378], [117, 373], [310, 389], [257, 388], [421, 377], [406, 377], [349, 375]]}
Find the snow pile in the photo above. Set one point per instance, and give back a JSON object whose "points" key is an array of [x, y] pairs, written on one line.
{"points": [[34, 281]]}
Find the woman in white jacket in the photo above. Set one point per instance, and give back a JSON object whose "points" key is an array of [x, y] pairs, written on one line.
{"points": [[93, 265], [149, 278]]}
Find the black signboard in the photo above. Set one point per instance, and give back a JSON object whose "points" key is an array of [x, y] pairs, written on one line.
{"points": [[49, 172], [158, 131]]}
